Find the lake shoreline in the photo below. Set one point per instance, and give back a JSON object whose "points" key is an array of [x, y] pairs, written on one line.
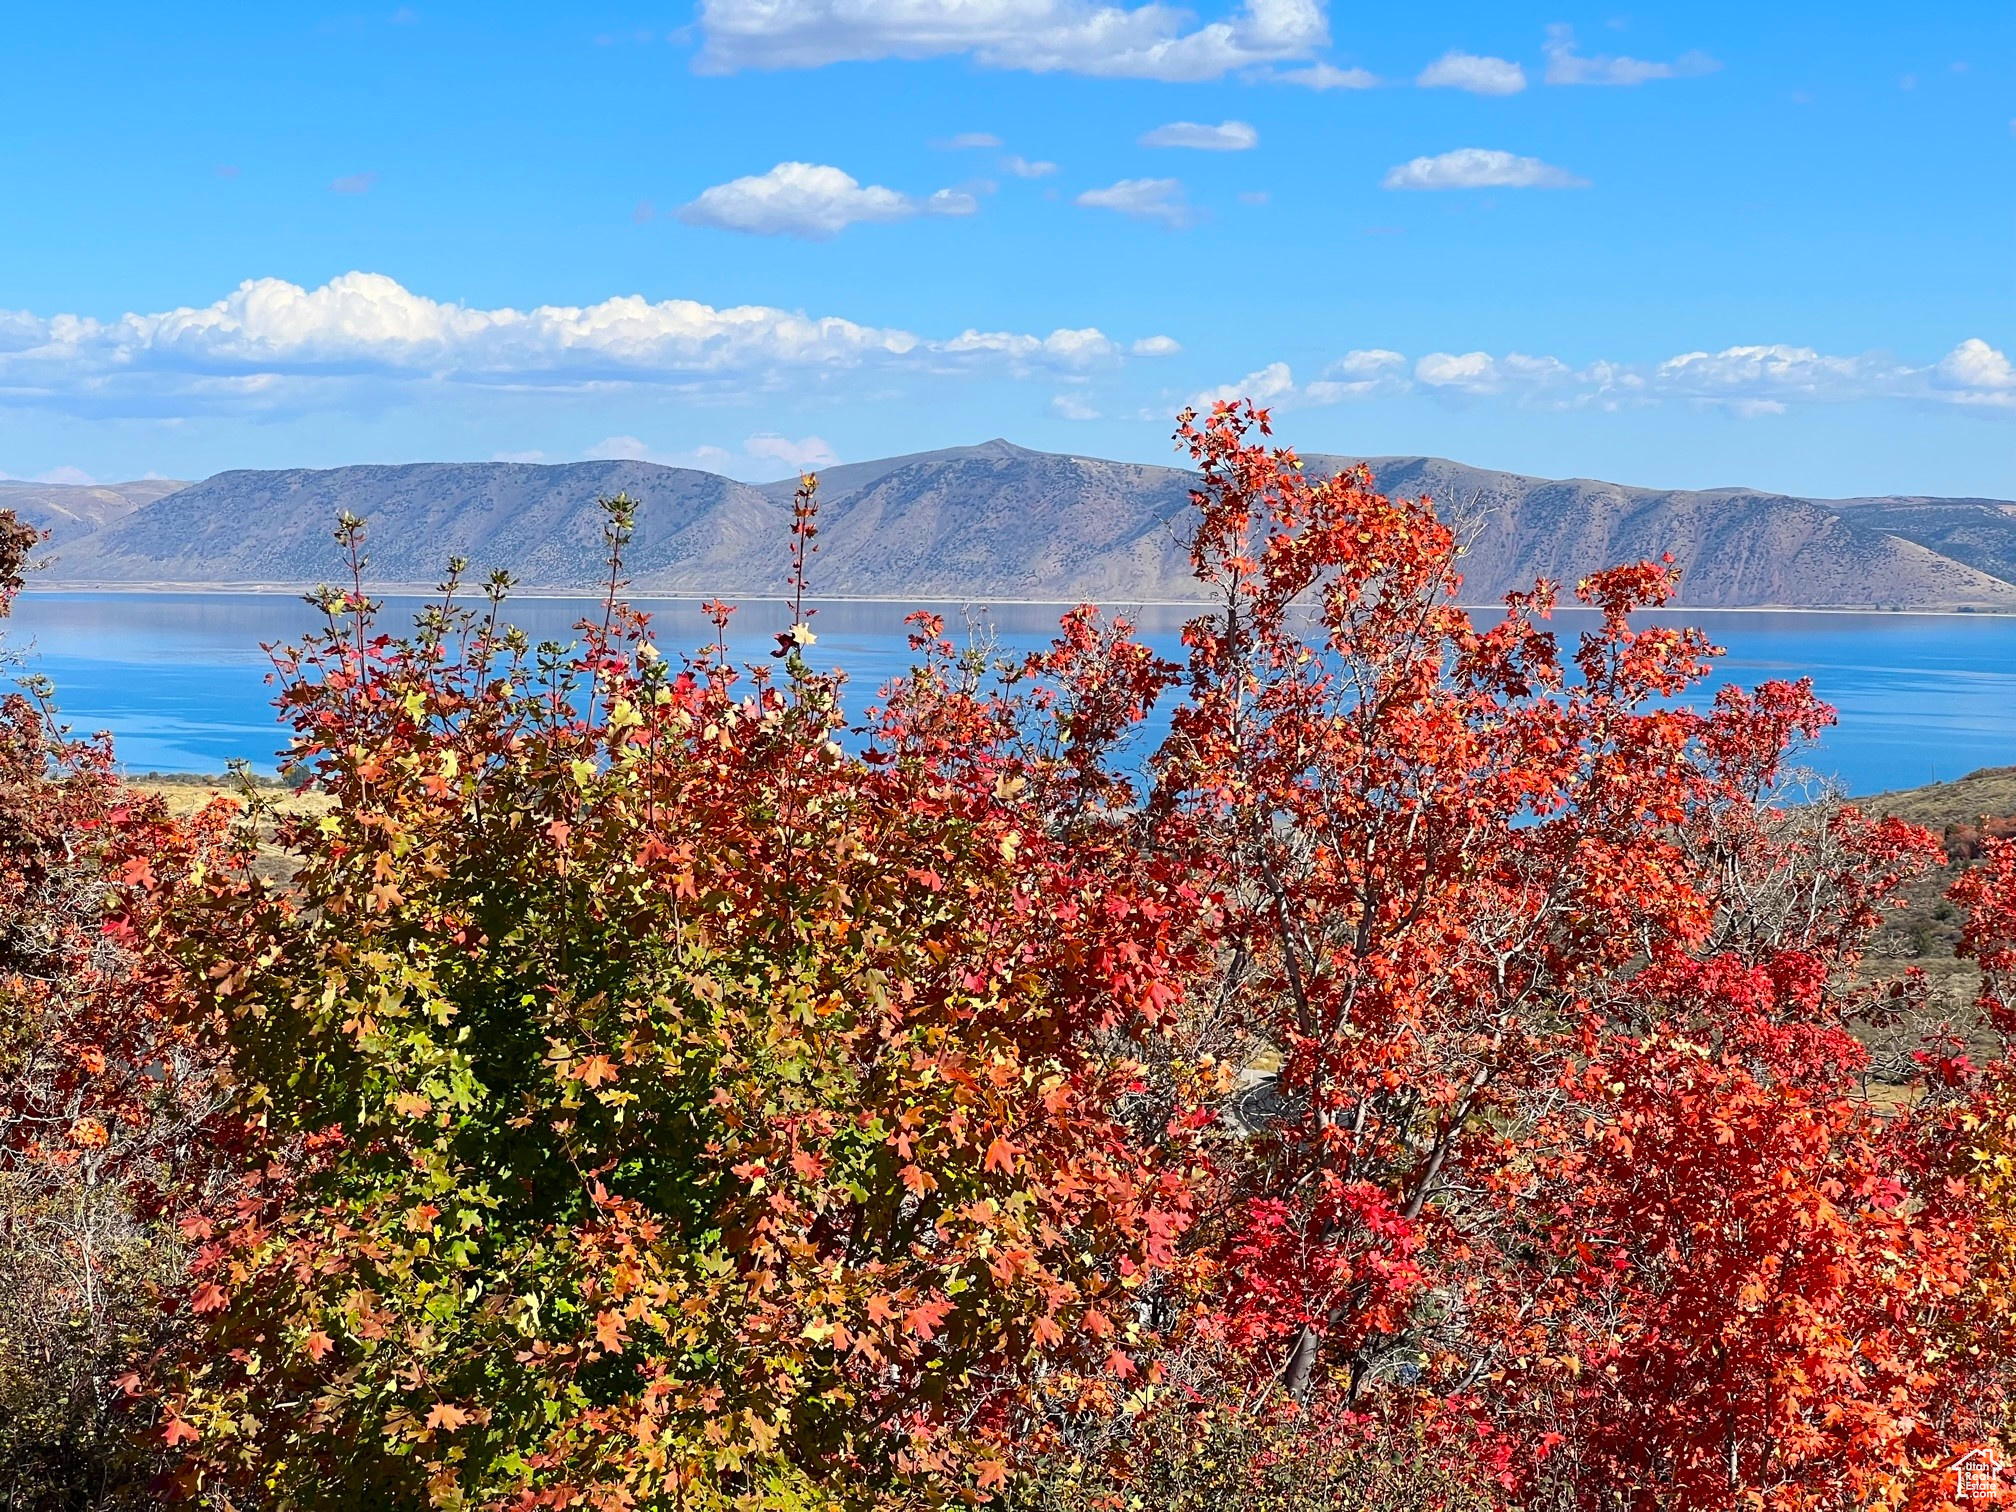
{"points": [[424, 592]]}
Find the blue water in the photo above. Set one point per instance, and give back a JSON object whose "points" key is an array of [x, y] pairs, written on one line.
{"points": [[180, 680]]}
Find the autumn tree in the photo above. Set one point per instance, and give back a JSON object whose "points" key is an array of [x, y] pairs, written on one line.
{"points": [[660, 1102], [1559, 1141], [105, 1109], [1425, 1079]]}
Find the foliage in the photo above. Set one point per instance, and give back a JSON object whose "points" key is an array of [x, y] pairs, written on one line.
{"points": [[1427, 1079], [660, 1104], [104, 1109]]}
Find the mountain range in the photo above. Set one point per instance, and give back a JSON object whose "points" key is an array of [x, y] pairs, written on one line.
{"points": [[994, 521]]}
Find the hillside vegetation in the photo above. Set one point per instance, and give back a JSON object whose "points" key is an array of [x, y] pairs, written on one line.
{"points": [[1438, 1078], [998, 521]]}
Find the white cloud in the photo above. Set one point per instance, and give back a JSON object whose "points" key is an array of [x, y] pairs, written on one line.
{"points": [[1479, 168], [623, 449], [1073, 350], [1748, 382], [1481, 373], [1566, 66], [1228, 136], [1322, 76], [518, 456], [798, 456], [1021, 167], [76, 477], [762, 456], [813, 201], [954, 201], [1975, 373], [967, 139], [1144, 199], [1365, 374], [1156, 346], [1071, 407], [272, 346], [1478, 75], [1150, 41], [1274, 381], [1741, 375]]}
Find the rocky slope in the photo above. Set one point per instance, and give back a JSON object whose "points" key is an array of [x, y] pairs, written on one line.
{"points": [[999, 521], [72, 510]]}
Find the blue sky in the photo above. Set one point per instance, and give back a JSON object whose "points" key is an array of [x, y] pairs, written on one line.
{"points": [[1682, 245]]}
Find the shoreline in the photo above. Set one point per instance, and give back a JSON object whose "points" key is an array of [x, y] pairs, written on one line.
{"points": [[422, 592]]}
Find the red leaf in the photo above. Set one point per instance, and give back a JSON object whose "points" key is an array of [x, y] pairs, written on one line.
{"points": [[209, 1297], [179, 1431]]}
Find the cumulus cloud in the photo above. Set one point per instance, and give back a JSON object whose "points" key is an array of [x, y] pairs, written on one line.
{"points": [[1322, 76], [1469, 71], [1566, 66], [626, 449], [273, 346], [1157, 199], [1975, 373], [1021, 167], [1156, 346], [1748, 382], [764, 455], [966, 139], [1072, 407], [1227, 136], [1481, 373], [812, 201], [1479, 168], [1150, 41], [1365, 374], [799, 456], [75, 477], [1274, 381]]}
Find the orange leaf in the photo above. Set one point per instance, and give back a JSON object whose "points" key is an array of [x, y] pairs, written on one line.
{"points": [[1000, 1157], [596, 1069], [446, 1415], [609, 1331], [318, 1344], [209, 1297], [179, 1432]]}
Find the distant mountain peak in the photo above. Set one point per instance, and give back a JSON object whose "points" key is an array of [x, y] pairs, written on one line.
{"points": [[995, 520]]}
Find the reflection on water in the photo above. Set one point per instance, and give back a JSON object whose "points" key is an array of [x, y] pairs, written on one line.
{"points": [[180, 680]]}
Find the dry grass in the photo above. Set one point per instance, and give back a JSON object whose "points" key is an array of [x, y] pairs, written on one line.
{"points": [[184, 795], [1990, 791], [1924, 933]]}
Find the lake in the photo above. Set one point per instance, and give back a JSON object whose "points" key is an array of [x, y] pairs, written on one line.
{"points": [[179, 679]]}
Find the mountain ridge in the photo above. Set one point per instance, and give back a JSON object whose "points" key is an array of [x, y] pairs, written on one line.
{"points": [[1000, 521]]}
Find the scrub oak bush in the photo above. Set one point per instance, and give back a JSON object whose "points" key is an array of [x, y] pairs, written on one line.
{"points": [[1394, 1056]]}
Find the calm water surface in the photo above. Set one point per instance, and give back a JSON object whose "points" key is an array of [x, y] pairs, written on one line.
{"points": [[179, 679]]}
